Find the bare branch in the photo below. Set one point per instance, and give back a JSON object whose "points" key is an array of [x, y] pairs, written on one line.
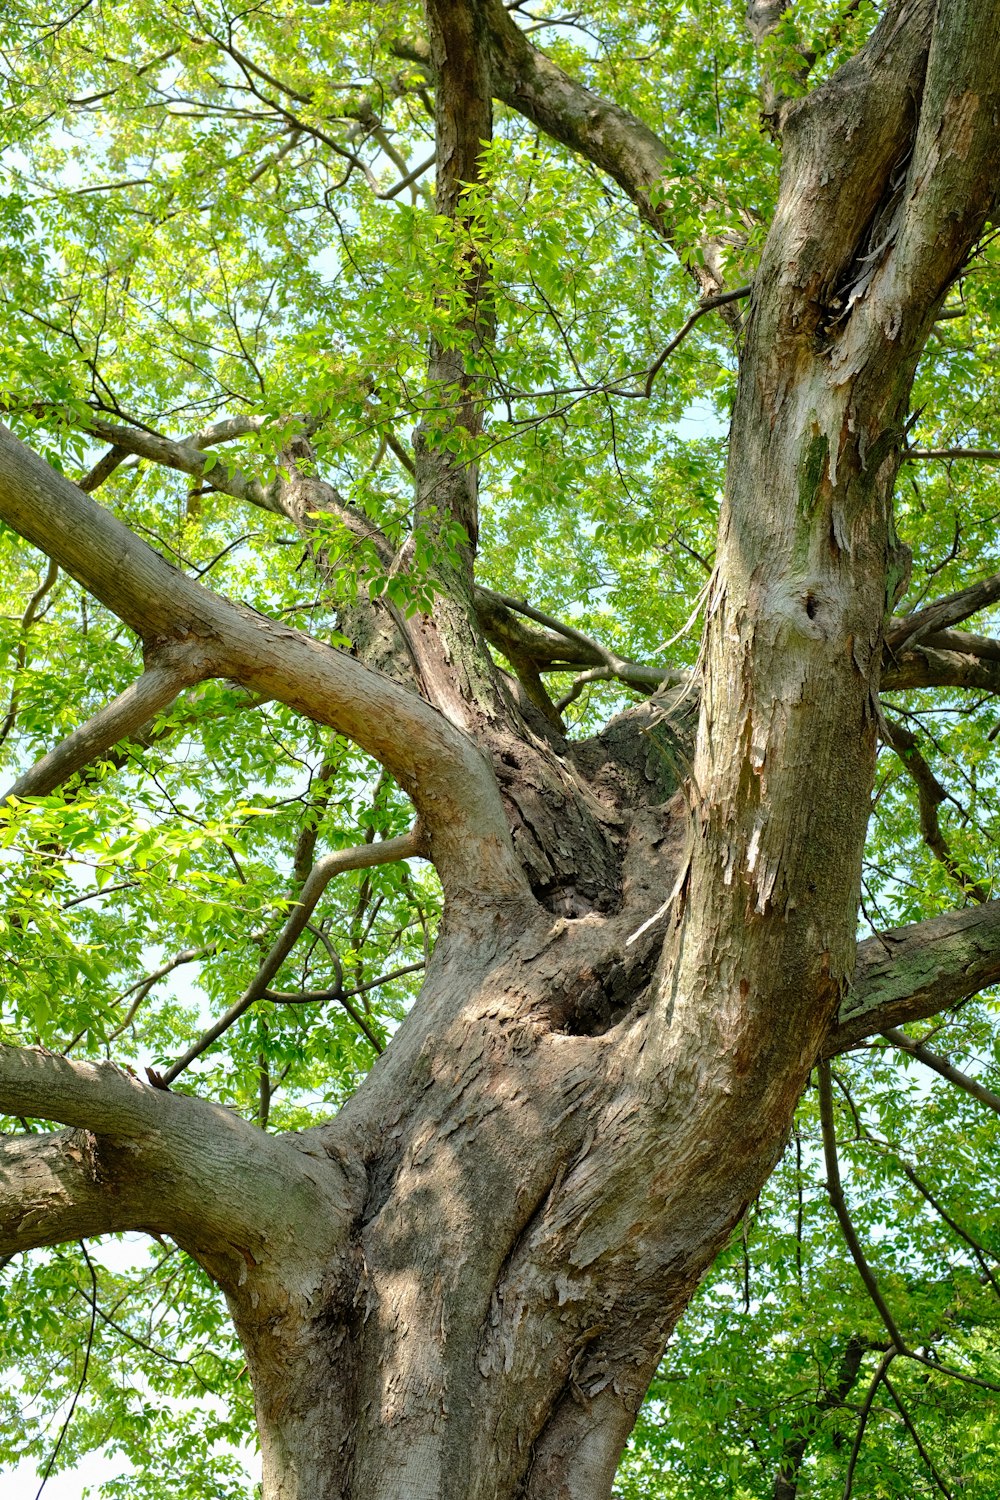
{"points": [[709, 305], [926, 666], [103, 469], [188, 456], [148, 1160], [906, 632], [930, 795], [409, 179], [863, 1416], [839, 1206], [982, 646], [570, 645], [50, 1192], [986, 455]]}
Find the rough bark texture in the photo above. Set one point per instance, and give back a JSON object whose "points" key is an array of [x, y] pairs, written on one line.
{"points": [[462, 1285]]}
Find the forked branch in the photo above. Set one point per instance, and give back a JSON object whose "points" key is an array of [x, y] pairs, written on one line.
{"points": [[436, 763], [150, 694], [143, 1159]]}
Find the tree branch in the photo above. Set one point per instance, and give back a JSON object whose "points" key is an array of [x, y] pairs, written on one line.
{"points": [[908, 1423], [363, 857], [930, 795], [50, 1192], [866, 1406], [926, 666], [986, 455], [909, 630], [144, 1159], [154, 691], [839, 1206], [944, 1067], [614, 140], [918, 971], [436, 763], [188, 456], [560, 645], [786, 1483]]}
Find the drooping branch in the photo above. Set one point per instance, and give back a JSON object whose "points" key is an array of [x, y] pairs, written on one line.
{"points": [[930, 795], [839, 1204], [434, 761], [918, 971]]}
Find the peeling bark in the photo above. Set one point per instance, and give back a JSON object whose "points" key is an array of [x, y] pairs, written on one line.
{"points": [[462, 1285]]}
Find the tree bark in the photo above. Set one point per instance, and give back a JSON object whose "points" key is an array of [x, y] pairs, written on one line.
{"points": [[463, 1284]]}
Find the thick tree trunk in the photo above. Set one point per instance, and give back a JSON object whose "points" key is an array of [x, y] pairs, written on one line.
{"points": [[471, 1279]]}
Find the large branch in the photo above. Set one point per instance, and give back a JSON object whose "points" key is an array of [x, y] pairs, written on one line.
{"points": [[294, 497], [951, 180], [942, 177], [600, 131], [144, 1159], [927, 667], [937, 618], [437, 764], [917, 971], [51, 1191]]}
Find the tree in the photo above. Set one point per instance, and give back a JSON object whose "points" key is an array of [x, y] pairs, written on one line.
{"points": [[462, 1281]]}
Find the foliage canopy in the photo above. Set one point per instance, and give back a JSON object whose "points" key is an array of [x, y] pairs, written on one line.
{"points": [[213, 215]]}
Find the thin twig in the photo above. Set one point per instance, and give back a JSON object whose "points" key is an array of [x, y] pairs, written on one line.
{"points": [[21, 653], [708, 306], [925, 1456], [865, 1412], [930, 795], [83, 1374], [363, 856]]}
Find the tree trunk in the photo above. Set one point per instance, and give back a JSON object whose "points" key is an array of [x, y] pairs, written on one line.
{"points": [[470, 1282]]}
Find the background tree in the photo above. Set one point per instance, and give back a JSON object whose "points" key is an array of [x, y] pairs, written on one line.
{"points": [[395, 510]]}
